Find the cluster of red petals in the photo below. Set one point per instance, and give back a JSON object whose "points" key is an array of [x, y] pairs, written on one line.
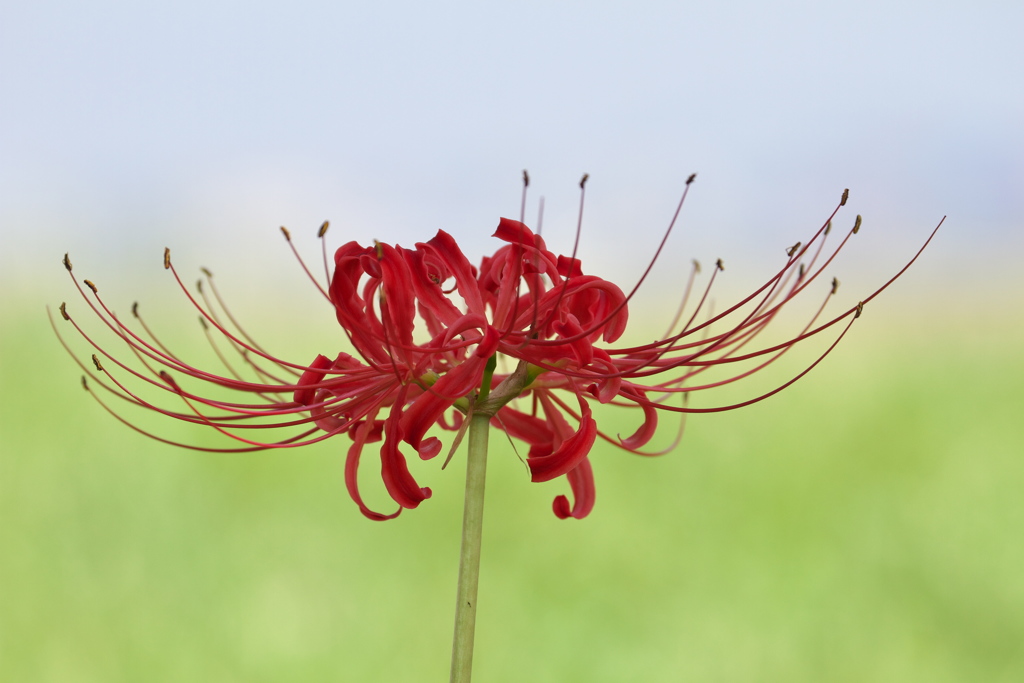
{"points": [[424, 322], [423, 325]]}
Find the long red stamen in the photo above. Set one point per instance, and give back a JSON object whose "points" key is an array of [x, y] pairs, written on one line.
{"points": [[302, 263], [428, 329]]}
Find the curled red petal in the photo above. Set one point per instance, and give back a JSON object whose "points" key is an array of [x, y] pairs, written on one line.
{"points": [[370, 265], [569, 454], [645, 431], [529, 428], [317, 370], [429, 448], [399, 293], [362, 434], [427, 279], [609, 379], [352, 310], [599, 305], [489, 344], [430, 406], [569, 267], [394, 469], [466, 322], [528, 248], [514, 232], [447, 249], [581, 479], [323, 419], [581, 346]]}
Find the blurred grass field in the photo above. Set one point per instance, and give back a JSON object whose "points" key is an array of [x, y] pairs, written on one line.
{"points": [[864, 525]]}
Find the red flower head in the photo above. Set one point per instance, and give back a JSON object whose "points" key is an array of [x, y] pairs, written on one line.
{"points": [[427, 330]]}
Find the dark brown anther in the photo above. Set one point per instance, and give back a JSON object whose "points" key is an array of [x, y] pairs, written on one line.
{"points": [[67, 262], [199, 286], [792, 249], [287, 235], [85, 385], [323, 229], [720, 264], [856, 225], [202, 321], [96, 362], [696, 266], [828, 227], [801, 271], [860, 309], [64, 311], [167, 258], [846, 195], [526, 178], [166, 377], [583, 180], [90, 285], [135, 309], [693, 176], [835, 285], [206, 272]]}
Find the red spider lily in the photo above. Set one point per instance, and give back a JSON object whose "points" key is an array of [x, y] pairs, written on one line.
{"points": [[427, 329]]}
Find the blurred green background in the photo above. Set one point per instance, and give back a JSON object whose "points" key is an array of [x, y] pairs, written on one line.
{"points": [[863, 525]]}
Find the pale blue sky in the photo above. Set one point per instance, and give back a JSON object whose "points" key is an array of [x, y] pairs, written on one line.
{"points": [[125, 126]]}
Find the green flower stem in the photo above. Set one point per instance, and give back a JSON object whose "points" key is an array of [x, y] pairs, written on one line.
{"points": [[469, 559]]}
